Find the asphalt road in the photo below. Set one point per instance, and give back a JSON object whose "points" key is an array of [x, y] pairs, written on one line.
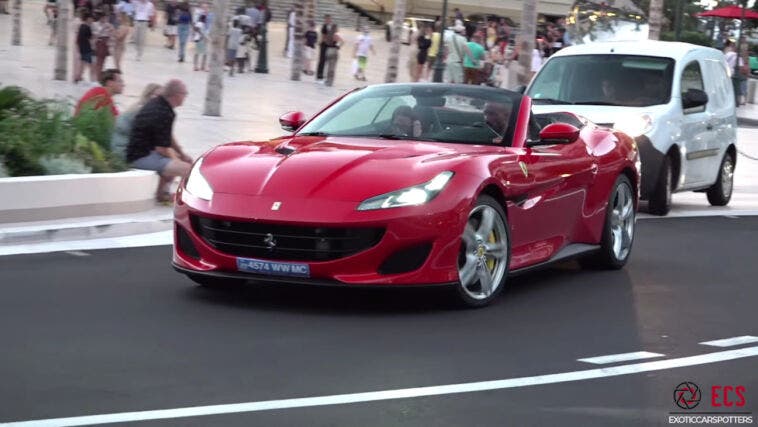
{"points": [[111, 331]]}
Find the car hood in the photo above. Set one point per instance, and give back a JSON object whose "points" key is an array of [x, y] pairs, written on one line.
{"points": [[605, 115], [348, 169]]}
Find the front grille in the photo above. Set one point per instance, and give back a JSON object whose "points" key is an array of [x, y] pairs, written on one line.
{"points": [[286, 242]]}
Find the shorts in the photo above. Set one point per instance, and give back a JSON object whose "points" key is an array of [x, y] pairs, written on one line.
{"points": [[231, 55], [86, 56], [170, 30], [152, 162], [200, 47], [309, 52], [362, 61]]}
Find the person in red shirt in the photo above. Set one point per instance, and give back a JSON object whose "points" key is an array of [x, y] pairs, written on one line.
{"points": [[101, 96]]}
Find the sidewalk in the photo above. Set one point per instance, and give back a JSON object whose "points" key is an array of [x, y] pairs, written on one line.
{"points": [[252, 104]]}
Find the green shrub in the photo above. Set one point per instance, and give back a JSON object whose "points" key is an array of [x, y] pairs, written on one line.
{"points": [[36, 134]]}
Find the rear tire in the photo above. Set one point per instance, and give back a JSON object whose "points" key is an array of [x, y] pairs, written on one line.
{"points": [[721, 192], [660, 200], [618, 230], [484, 256]]}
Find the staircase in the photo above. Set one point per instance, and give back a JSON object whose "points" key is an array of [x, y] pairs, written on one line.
{"points": [[341, 14]]}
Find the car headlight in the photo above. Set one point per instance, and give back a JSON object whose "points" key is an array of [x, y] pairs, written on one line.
{"points": [[197, 185], [636, 125], [411, 196]]}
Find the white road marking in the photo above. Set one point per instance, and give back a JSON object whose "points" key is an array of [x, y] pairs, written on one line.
{"points": [[138, 240], [729, 342], [624, 357], [372, 396]]}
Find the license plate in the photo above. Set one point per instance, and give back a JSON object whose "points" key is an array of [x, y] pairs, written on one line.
{"points": [[273, 268]]}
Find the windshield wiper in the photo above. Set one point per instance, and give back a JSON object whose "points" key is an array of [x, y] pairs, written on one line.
{"points": [[313, 134], [551, 101]]}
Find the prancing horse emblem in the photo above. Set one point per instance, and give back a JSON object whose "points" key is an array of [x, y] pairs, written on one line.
{"points": [[276, 206], [270, 241]]}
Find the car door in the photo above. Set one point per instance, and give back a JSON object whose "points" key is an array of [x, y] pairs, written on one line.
{"points": [[696, 131], [554, 204]]}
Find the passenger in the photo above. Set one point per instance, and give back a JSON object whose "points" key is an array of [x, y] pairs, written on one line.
{"points": [[609, 91], [496, 117], [405, 122]]}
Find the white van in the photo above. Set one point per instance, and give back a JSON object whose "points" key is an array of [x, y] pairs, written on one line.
{"points": [[676, 99]]}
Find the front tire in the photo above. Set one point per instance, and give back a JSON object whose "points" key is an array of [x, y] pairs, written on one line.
{"points": [[484, 255], [618, 229], [721, 192], [660, 201]]}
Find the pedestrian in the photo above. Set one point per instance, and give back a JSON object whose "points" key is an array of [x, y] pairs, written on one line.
{"points": [[433, 50], [289, 40], [104, 36], [472, 64], [123, 128], [538, 56], [52, 21], [363, 45], [311, 36], [241, 54], [255, 21], [101, 96], [144, 13], [331, 55], [456, 49], [84, 46], [152, 145], [169, 30], [122, 33], [183, 28], [200, 36], [4, 7], [424, 42], [232, 45], [327, 34]]}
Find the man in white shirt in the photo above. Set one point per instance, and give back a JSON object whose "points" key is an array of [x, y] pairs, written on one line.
{"points": [[456, 47], [143, 14]]}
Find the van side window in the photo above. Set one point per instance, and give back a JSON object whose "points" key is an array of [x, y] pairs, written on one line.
{"points": [[692, 78]]}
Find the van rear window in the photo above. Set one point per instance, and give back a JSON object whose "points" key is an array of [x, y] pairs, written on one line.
{"points": [[624, 80]]}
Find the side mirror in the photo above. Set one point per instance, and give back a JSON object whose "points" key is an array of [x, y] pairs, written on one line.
{"points": [[557, 133], [292, 121], [694, 98]]}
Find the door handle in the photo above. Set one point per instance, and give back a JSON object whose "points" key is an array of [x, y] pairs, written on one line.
{"points": [[709, 126]]}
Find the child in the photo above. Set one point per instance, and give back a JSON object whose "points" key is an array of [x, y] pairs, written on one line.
{"points": [[241, 54], [200, 36], [232, 45], [362, 46], [311, 36]]}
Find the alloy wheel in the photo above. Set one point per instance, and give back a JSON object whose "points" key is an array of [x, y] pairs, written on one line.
{"points": [[483, 258]]}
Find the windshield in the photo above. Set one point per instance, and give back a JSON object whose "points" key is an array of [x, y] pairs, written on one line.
{"points": [[423, 112], [625, 80]]}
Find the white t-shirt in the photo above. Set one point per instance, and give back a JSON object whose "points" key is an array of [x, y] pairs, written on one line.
{"points": [[200, 33], [364, 43], [143, 10], [536, 60]]}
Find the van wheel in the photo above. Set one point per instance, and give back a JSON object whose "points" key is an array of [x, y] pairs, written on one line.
{"points": [[721, 192], [660, 201]]}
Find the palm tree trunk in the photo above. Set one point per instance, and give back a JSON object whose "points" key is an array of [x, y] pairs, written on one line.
{"points": [[215, 86], [526, 41], [61, 43], [655, 20], [16, 23], [394, 59], [297, 55]]}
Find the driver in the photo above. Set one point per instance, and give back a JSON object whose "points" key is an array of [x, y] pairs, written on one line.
{"points": [[496, 117], [405, 123]]}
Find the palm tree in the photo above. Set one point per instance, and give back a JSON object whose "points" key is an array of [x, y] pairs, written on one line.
{"points": [[61, 31], [655, 19], [526, 40], [394, 59], [297, 57], [215, 86], [16, 23]]}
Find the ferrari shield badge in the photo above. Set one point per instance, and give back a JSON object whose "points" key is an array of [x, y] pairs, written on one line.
{"points": [[523, 168], [276, 206]]}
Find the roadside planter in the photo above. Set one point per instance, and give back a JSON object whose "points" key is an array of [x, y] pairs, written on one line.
{"points": [[52, 197]]}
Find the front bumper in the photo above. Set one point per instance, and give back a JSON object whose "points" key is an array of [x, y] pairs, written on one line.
{"points": [[407, 228]]}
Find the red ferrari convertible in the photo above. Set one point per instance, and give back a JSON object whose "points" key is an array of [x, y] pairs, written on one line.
{"points": [[411, 184]]}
